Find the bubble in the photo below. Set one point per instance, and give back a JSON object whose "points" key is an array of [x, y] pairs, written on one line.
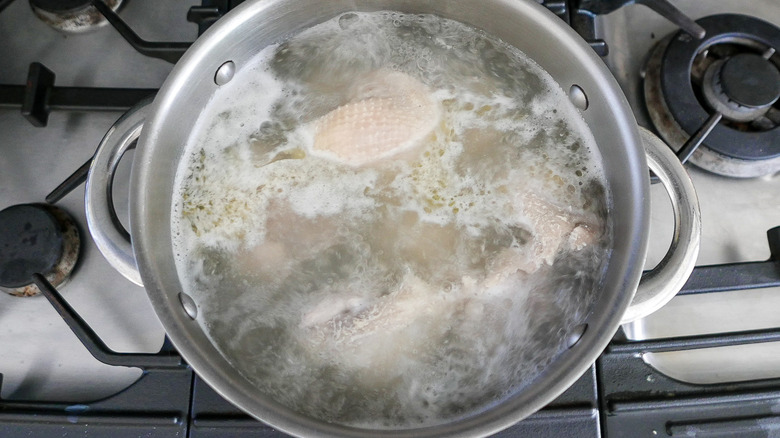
{"points": [[347, 20]]}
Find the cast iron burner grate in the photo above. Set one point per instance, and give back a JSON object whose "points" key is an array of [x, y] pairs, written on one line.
{"points": [[722, 90]]}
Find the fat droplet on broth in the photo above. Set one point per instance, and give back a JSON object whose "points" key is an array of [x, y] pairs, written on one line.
{"points": [[407, 287]]}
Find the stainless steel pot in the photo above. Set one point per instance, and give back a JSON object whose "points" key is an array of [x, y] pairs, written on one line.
{"points": [[236, 38]]}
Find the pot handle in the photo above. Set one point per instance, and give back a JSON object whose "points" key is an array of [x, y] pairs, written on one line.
{"points": [[111, 238], [662, 283]]}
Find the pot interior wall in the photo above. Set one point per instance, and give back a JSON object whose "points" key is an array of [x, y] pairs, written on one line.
{"points": [[254, 25]]}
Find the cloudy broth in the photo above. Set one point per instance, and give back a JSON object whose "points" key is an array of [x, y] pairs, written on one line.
{"points": [[391, 220]]}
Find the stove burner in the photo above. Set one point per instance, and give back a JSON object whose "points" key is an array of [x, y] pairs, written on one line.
{"points": [[36, 238], [734, 71], [71, 16]]}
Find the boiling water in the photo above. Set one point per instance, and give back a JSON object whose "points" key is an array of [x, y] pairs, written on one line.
{"points": [[418, 282]]}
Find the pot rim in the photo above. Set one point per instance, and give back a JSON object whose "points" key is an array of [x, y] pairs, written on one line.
{"points": [[568, 367]]}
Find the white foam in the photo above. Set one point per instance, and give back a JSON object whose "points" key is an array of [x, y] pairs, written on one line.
{"points": [[400, 291]]}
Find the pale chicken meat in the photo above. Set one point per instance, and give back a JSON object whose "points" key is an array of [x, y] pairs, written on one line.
{"points": [[388, 112], [361, 323], [553, 227], [371, 334], [352, 319]]}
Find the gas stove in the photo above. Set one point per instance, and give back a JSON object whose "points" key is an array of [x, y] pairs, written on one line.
{"points": [[706, 364]]}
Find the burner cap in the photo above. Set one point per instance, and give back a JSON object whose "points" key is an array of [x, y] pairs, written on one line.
{"points": [[35, 238], [750, 80]]}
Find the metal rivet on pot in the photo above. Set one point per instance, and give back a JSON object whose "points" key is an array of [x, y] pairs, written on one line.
{"points": [[578, 97], [225, 73], [189, 305], [576, 335]]}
